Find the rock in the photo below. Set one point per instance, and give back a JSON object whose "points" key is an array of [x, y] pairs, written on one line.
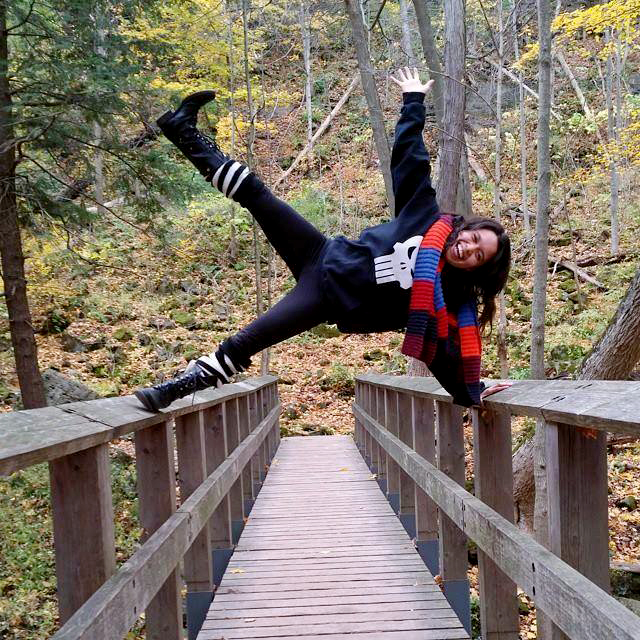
{"points": [[629, 503], [161, 324], [184, 319], [77, 342], [190, 287], [122, 333], [375, 354], [60, 389], [326, 331], [144, 339]]}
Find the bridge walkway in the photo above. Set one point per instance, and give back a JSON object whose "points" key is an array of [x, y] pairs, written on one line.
{"points": [[323, 555]]}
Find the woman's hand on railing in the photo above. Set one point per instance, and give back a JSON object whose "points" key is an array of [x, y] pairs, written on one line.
{"points": [[501, 386]]}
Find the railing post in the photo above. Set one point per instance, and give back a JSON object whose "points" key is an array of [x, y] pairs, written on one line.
{"points": [[236, 495], [493, 482], [393, 470], [220, 522], [453, 542], [357, 429], [424, 435], [576, 467], [407, 513], [276, 426], [379, 415], [370, 444], [83, 525], [247, 474], [198, 576], [157, 500], [257, 462]]}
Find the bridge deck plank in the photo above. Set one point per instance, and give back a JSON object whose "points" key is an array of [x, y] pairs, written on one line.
{"points": [[323, 556]]}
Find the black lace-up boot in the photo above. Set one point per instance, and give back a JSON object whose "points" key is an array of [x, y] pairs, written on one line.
{"points": [[180, 127], [213, 370]]}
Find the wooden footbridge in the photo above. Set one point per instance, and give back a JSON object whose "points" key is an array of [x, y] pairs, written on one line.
{"points": [[250, 536]]}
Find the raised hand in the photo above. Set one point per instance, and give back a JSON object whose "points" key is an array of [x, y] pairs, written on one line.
{"points": [[409, 81]]}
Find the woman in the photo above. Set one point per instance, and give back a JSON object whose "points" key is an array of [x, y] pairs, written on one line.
{"points": [[424, 270]]}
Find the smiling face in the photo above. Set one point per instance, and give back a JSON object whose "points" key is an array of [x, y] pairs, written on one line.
{"points": [[472, 248]]}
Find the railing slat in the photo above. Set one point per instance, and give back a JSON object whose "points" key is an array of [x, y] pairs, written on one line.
{"points": [[407, 513], [83, 525], [157, 500], [579, 607], [190, 444], [424, 434], [577, 500], [236, 498], [493, 483], [393, 471], [453, 542], [114, 608]]}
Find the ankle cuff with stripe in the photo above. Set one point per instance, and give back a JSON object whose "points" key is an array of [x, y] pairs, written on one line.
{"points": [[229, 177]]}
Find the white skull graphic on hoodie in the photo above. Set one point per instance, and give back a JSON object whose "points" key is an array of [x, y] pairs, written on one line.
{"points": [[399, 265]]}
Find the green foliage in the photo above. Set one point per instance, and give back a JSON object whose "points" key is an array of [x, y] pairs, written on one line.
{"points": [[28, 608], [339, 379]]}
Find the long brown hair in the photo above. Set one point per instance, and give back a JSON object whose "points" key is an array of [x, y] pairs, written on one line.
{"points": [[484, 283]]}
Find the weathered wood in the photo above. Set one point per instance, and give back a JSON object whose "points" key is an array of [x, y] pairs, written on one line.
{"points": [[232, 427], [576, 605], [287, 573], [83, 528], [493, 484], [407, 486], [244, 430], [115, 607], [42, 435], [190, 444], [391, 423], [157, 502], [598, 404], [216, 452], [453, 543], [425, 446], [577, 501]]}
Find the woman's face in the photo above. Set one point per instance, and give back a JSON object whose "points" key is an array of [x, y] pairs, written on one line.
{"points": [[472, 249]]}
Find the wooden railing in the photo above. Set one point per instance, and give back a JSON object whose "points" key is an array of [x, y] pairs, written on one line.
{"points": [[411, 435], [224, 442]]}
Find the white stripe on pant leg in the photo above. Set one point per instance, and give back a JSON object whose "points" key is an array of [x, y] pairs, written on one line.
{"points": [[227, 179], [216, 175], [242, 176], [213, 362], [229, 363]]}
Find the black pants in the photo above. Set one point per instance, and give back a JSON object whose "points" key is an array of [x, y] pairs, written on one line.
{"points": [[301, 246]]}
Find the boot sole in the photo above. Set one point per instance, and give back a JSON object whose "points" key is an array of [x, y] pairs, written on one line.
{"points": [[147, 399]]}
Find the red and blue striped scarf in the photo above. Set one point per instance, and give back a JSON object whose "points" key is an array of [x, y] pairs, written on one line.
{"points": [[430, 325]]}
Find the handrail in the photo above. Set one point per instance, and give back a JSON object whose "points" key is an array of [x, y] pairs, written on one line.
{"points": [[605, 405], [40, 435], [114, 608], [224, 441], [411, 435]]}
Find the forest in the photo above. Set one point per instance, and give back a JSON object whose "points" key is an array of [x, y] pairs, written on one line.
{"points": [[120, 264]]}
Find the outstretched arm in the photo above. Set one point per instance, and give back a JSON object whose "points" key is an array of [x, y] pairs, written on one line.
{"points": [[410, 169]]}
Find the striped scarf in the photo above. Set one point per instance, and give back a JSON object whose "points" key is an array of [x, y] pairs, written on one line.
{"points": [[430, 325]]}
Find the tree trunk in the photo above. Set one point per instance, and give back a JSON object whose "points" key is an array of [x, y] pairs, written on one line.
{"points": [[523, 135], [543, 193], [545, 627], [405, 25], [453, 122], [257, 257], [618, 350], [614, 179], [371, 94], [306, 56], [431, 57], [15, 284]]}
